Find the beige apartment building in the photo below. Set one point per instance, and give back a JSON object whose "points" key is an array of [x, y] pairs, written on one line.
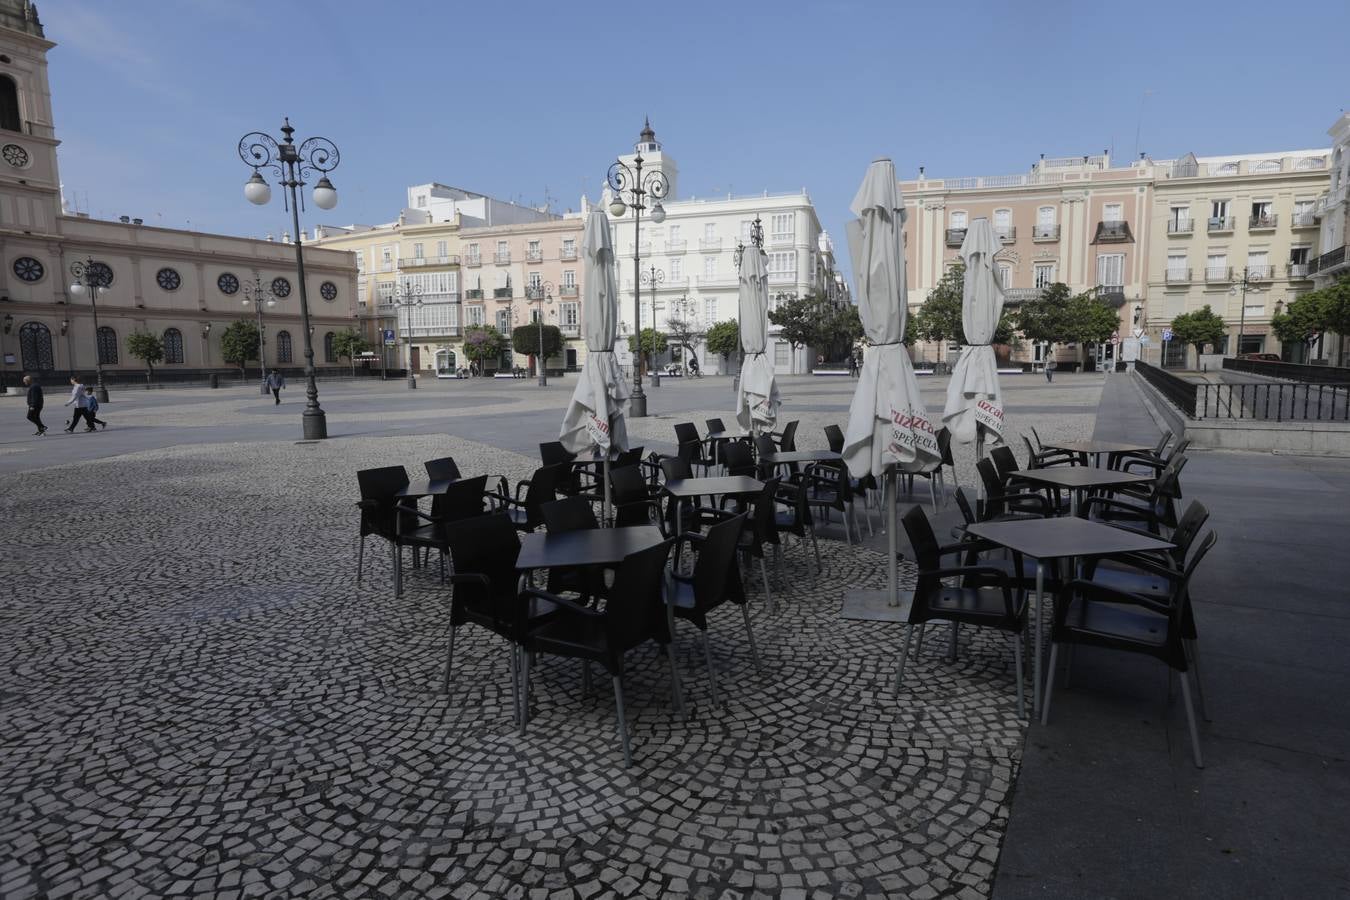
{"points": [[183, 286], [1236, 233], [1333, 215], [1076, 220]]}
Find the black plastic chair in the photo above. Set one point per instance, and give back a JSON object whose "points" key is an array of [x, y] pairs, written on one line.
{"points": [[568, 514], [1157, 454], [830, 489], [986, 597], [381, 512], [687, 439], [442, 469], [786, 439], [1046, 459], [1000, 503], [937, 481], [486, 590], [716, 579], [523, 506], [634, 615], [1155, 510], [1095, 615], [834, 437], [632, 500], [738, 459], [569, 479], [792, 515]]}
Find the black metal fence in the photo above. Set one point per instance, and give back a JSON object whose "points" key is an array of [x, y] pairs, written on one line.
{"points": [[1273, 401], [1290, 371], [1178, 390]]}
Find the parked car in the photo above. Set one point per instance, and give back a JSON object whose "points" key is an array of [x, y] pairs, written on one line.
{"points": [[1263, 357]]}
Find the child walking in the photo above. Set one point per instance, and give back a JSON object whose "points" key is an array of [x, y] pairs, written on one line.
{"points": [[90, 408]]}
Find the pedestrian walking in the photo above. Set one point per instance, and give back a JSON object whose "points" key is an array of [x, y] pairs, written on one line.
{"points": [[91, 407], [1050, 367], [275, 382], [35, 401], [77, 400]]}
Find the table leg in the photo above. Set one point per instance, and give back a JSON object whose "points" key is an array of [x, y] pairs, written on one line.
{"points": [[1036, 667], [1073, 502]]}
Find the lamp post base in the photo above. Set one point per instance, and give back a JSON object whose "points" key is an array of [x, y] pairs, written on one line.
{"points": [[656, 378], [637, 406], [101, 393], [315, 425], [543, 380]]}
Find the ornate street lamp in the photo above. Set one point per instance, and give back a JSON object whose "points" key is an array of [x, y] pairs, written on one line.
{"points": [[541, 292], [654, 277], [293, 163], [258, 296], [1246, 284], [93, 276], [630, 182], [409, 295]]}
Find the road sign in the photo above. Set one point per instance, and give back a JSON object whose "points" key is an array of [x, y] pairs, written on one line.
{"points": [[1167, 334], [389, 340]]}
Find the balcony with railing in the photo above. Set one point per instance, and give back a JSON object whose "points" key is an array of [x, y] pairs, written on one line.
{"points": [[710, 243], [534, 256], [1219, 224], [473, 259], [1218, 274], [1298, 271], [1006, 233], [1304, 219], [501, 293], [501, 257], [569, 290], [567, 254], [1021, 295], [643, 248], [676, 246], [1260, 273], [1177, 276], [474, 294], [1180, 226], [570, 329], [715, 281], [1262, 222], [1327, 262], [1112, 233], [956, 237], [1045, 232], [419, 261]]}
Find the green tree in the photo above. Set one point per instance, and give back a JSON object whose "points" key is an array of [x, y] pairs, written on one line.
{"points": [[350, 344], [1199, 328], [1046, 319], [840, 328], [148, 348], [798, 320], [653, 345], [683, 333], [724, 339], [1337, 302], [1090, 319], [239, 344], [1303, 320], [525, 340], [939, 319], [482, 343]]}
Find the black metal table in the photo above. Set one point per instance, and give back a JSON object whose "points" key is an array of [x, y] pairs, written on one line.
{"points": [[1050, 540], [588, 547], [424, 487], [1078, 479], [721, 486]]}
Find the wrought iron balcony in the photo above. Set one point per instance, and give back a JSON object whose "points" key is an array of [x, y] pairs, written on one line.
{"points": [[1260, 273], [1180, 226], [569, 290], [534, 256], [501, 257], [474, 294], [1045, 232], [1007, 233], [1298, 271], [1177, 276], [1303, 220], [567, 253], [1021, 295], [1218, 274], [1327, 261], [676, 246], [416, 261], [1220, 223], [1112, 233], [956, 237], [1262, 223], [710, 243], [499, 293], [473, 259]]}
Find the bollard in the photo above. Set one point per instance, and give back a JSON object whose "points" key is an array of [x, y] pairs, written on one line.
{"points": [[215, 380]]}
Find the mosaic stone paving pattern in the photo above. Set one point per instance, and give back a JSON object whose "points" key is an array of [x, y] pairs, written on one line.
{"points": [[206, 703]]}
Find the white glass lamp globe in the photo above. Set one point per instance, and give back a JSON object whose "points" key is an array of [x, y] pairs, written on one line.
{"points": [[325, 195], [617, 207], [257, 191], [77, 289], [658, 213]]}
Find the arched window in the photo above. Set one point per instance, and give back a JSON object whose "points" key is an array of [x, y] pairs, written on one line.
{"points": [[329, 355], [173, 345], [107, 346], [283, 346], [35, 347], [9, 104]]}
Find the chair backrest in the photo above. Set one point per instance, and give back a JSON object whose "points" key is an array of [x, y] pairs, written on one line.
{"points": [[443, 469], [630, 457], [464, 500], [488, 546], [717, 578], [714, 424], [762, 513], [989, 477], [790, 436], [686, 432], [801, 511], [551, 453], [1040, 444], [543, 489], [764, 445], [1192, 520], [1162, 442], [963, 503], [944, 442], [1005, 463], [925, 543], [1181, 596], [637, 611], [834, 435], [738, 459], [627, 484], [569, 514], [378, 504], [1032, 463], [382, 483], [675, 467]]}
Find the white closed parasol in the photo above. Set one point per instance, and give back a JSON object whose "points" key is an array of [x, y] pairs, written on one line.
{"points": [[974, 410], [757, 398]]}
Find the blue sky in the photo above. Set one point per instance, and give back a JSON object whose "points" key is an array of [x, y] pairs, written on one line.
{"points": [[531, 100]]}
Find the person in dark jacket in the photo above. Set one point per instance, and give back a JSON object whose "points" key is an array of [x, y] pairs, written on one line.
{"points": [[35, 404]]}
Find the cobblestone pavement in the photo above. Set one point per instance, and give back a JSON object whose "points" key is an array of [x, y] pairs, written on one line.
{"points": [[206, 703]]}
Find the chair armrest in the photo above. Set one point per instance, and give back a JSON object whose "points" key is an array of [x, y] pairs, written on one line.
{"points": [[1143, 563], [968, 544], [1111, 503], [538, 594], [469, 578], [1046, 507], [1152, 464], [1091, 590]]}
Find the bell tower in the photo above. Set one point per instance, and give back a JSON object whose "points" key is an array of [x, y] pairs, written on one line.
{"points": [[653, 158], [30, 185]]}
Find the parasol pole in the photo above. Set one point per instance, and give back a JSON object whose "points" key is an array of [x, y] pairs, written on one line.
{"points": [[892, 565]]}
